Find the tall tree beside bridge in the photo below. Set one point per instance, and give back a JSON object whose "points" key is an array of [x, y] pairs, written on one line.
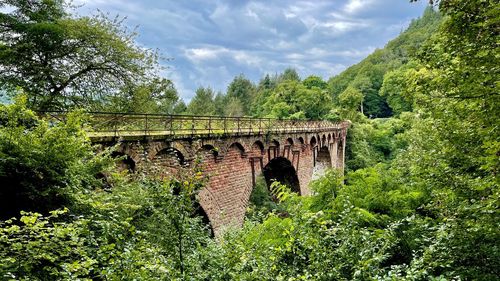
{"points": [[65, 61]]}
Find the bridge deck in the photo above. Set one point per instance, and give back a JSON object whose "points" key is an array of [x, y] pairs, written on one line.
{"points": [[108, 126]]}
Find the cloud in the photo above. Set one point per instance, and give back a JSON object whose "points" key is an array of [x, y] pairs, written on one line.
{"points": [[211, 42], [354, 6]]}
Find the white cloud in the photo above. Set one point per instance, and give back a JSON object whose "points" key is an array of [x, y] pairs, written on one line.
{"points": [[197, 54], [354, 6], [344, 26]]}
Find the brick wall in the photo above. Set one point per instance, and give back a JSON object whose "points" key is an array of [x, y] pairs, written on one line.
{"points": [[231, 164]]}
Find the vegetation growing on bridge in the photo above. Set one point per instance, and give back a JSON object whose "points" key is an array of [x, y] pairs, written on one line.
{"points": [[420, 200]]}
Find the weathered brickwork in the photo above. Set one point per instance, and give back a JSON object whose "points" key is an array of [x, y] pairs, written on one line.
{"points": [[231, 164]]}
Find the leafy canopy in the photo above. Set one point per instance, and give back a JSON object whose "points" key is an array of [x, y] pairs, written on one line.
{"points": [[65, 61]]}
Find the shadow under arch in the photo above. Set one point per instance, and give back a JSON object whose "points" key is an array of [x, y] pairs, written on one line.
{"points": [[170, 152], [198, 211], [282, 170], [207, 151], [258, 146], [324, 157], [312, 142], [323, 162], [126, 163], [238, 146]]}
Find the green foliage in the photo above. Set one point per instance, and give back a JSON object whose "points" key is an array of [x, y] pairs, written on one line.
{"points": [[394, 89], [368, 75], [315, 81], [261, 201], [202, 103], [43, 164], [220, 104], [158, 96], [240, 91], [64, 61], [371, 141], [290, 74], [350, 100], [41, 248], [144, 230], [291, 99]]}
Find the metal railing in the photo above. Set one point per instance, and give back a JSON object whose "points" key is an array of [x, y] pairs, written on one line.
{"points": [[103, 124]]}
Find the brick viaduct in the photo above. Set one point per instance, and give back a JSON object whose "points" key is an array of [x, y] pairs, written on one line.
{"points": [[232, 152]]}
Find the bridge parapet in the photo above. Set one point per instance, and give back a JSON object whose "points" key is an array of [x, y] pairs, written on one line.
{"points": [[108, 126]]}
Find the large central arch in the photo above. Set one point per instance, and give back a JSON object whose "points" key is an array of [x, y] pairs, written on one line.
{"points": [[281, 169]]}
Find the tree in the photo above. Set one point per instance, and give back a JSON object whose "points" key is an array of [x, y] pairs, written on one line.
{"points": [[267, 83], [64, 61], [202, 103], [315, 81], [315, 103], [220, 103], [158, 96], [394, 89], [290, 74], [350, 100], [367, 76], [243, 90], [233, 108], [179, 107]]}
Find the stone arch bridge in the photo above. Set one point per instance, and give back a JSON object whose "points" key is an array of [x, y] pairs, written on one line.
{"points": [[232, 152]]}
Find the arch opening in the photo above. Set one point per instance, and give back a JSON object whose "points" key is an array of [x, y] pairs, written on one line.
{"points": [[323, 162], [207, 152], [275, 143], [312, 142], [281, 169], [125, 163], [170, 157], [258, 146], [237, 146], [198, 211]]}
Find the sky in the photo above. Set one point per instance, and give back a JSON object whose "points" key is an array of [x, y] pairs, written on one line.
{"points": [[208, 43]]}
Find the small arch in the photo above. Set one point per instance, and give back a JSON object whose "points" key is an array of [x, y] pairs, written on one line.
{"points": [[282, 170], [324, 157], [329, 138], [301, 140], [207, 151], [340, 148], [273, 150], [258, 145], [275, 143], [289, 141], [238, 146], [312, 142], [171, 153], [323, 140], [126, 163]]}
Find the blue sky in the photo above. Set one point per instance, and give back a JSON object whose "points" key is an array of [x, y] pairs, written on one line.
{"points": [[211, 42]]}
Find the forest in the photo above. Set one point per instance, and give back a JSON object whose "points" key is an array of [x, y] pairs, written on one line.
{"points": [[419, 199]]}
